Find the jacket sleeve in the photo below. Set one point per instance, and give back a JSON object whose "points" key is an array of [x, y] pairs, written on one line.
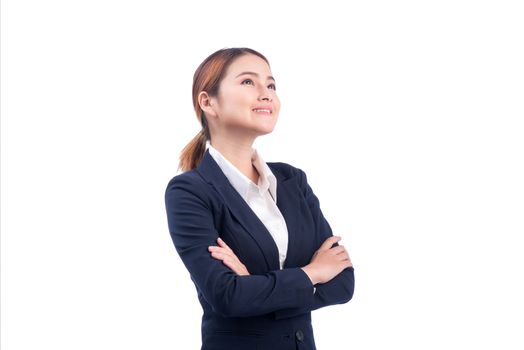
{"points": [[338, 290], [191, 225]]}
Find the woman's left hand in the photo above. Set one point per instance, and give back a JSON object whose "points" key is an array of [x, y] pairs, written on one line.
{"points": [[224, 253]]}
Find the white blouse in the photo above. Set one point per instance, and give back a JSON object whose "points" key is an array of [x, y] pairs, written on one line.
{"points": [[261, 198]]}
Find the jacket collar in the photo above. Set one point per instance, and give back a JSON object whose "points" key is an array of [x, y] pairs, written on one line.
{"points": [[241, 182], [288, 201]]}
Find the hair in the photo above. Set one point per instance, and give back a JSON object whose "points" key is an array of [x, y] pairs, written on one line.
{"points": [[208, 77]]}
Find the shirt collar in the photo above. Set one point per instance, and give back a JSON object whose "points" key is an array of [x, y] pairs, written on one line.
{"points": [[242, 184]]}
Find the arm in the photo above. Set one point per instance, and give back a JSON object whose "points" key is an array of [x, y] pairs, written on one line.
{"points": [[191, 225], [340, 289]]}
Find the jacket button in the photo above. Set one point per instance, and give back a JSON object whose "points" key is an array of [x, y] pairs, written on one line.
{"points": [[299, 335]]}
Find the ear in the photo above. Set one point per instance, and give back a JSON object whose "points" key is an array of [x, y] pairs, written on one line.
{"points": [[207, 104]]}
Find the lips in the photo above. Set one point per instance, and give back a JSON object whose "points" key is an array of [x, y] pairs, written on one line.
{"points": [[264, 110]]}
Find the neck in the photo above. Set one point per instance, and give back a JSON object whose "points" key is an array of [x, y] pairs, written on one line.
{"points": [[239, 154]]}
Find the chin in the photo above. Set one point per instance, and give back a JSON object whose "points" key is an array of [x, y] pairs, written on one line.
{"points": [[266, 131]]}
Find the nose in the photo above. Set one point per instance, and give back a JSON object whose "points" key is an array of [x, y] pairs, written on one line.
{"points": [[265, 95]]}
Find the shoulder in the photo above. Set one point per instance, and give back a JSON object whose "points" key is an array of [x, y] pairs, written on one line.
{"points": [[186, 179], [188, 185], [286, 171]]}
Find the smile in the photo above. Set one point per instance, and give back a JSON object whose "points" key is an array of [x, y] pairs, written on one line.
{"points": [[262, 110]]}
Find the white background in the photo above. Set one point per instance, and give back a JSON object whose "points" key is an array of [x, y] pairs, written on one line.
{"points": [[407, 117]]}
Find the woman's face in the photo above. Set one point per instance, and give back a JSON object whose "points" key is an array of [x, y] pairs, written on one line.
{"points": [[247, 103]]}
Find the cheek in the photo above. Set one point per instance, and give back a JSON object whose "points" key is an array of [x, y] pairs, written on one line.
{"points": [[276, 103], [237, 100], [238, 107]]}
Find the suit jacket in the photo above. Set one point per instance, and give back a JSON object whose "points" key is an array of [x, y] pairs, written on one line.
{"points": [[271, 308]]}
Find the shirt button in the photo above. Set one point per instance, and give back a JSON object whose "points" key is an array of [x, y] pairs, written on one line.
{"points": [[299, 335]]}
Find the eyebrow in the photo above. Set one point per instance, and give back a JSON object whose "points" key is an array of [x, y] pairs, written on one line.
{"points": [[255, 74]]}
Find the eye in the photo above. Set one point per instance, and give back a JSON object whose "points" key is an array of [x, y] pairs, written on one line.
{"points": [[247, 80], [272, 86]]}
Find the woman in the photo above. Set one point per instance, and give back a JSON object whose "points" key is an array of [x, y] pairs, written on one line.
{"points": [[251, 233]]}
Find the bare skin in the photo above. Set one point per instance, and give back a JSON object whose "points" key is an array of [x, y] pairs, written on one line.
{"points": [[235, 118], [325, 264], [233, 121], [228, 257]]}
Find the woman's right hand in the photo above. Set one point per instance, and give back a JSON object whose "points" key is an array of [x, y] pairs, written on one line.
{"points": [[327, 262]]}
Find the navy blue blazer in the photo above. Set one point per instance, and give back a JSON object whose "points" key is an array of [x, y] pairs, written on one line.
{"points": [[271, 308]]}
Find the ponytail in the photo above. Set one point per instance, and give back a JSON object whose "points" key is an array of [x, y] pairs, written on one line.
{"points": [[192, 154]]}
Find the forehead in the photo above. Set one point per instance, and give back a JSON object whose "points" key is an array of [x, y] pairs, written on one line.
{"points": [[248, 63]]}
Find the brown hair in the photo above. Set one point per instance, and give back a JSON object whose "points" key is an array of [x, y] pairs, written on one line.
{"points": [[207, 78]]}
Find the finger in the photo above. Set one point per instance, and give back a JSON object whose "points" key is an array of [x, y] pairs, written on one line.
{"points": [[227, 260], [336, 250], [223, 244], [232, 265], [236, 267], [218, 249], [221, 252], [231, 262], [224, 251], [346, 257], [217, 255], [343, 256], [328, 243]]}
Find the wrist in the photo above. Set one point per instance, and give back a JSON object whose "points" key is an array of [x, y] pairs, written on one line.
{"points": [[309, 272]]}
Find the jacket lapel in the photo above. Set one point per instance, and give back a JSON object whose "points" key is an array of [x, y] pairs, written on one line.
{"points": [[287, 202]]}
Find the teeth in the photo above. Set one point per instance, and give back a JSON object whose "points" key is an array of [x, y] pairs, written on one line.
{"points": [[262, 110]]}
